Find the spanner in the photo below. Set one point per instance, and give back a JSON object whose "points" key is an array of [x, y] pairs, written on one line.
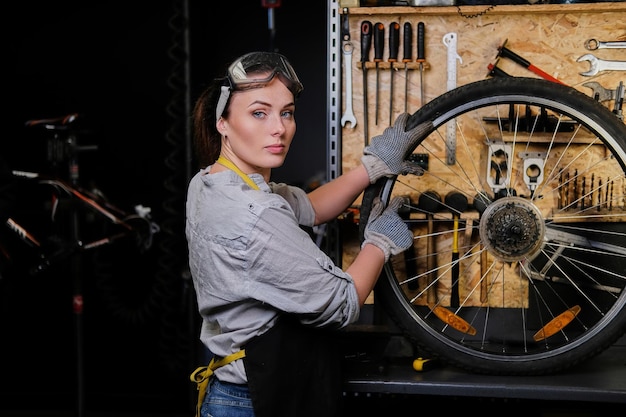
{"points": [[600, 93], [593, 44], [598, 65], [348, 115]]}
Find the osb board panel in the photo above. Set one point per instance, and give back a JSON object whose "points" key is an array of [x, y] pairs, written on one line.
{"points": [[551, 41]]}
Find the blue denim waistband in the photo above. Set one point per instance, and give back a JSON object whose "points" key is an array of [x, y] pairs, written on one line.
{"points": [[231, 388]]}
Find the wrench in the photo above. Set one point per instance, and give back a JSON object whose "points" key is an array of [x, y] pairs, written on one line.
{"points": [[348, 115], [593, 44], [598, 65], [600, 93]]}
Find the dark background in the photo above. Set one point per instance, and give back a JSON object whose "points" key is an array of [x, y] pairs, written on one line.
{"points": [[121, 65]]}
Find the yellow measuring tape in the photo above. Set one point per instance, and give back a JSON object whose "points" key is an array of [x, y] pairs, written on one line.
{"points": [[201, 375]]}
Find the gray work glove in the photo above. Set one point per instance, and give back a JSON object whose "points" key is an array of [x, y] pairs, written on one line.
{"points": [[386, 230], [386, 154]]}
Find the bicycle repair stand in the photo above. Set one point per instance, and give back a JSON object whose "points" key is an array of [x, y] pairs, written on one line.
{"points": [[68, 244], [63, 148]]}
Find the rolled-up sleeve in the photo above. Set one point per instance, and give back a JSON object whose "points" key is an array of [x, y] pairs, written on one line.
{"points": [[293, 274]]}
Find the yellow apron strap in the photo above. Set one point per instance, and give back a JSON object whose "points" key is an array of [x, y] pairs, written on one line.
{"points": [[201, 375], [230, 165]]}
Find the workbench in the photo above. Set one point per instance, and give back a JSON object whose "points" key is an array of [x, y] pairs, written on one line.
{"points": [[601, 379]]}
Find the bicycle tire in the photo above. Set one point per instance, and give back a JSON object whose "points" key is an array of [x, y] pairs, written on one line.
{"points": [[550, 293]]}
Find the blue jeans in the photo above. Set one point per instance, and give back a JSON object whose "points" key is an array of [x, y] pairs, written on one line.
{"points": [[224, 399]]}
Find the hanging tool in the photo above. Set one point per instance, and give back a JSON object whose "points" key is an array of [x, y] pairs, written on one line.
{"points": [[379, 46], [593, 44], [495, 71], [480, 203], [619, 100], [575, 190], [421, 33], [347, 47], [600, 195], [600, 93], [507, 53], [450, 41], [430, 202], [366, 45], [583, 196], [592, 191], [348, 115], [567, 185], [456, 203], [410, 258], [598, 65], [394, 45], [407, 57]]}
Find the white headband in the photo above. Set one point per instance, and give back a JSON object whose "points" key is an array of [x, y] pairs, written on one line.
{"points": [[221, 103]]}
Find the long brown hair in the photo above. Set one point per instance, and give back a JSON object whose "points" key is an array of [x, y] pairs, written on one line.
{"points": [[207, 140]]}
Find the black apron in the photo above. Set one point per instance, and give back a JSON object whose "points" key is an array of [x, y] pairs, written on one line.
{"points": [[294, 370]]}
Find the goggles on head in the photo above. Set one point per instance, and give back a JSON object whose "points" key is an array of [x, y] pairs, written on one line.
{"points": [[244, 74]]}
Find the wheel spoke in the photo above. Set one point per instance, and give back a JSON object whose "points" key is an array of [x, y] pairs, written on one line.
{"points": [[541, 252]]}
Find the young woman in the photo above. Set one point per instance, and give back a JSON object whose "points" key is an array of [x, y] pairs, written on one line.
{"points": [[269, 298]]}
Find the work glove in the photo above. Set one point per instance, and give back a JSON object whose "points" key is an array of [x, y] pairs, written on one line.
{"points": [[386, 230], [386, 154]]}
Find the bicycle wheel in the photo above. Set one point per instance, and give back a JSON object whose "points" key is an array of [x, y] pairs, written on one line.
{"points": [[526, 275]]}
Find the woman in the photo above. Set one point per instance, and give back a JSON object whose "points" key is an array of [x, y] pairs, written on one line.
{"points": [[268, 296]]}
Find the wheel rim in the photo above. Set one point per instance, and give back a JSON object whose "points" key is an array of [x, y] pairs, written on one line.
{"points": [[562, 256]]}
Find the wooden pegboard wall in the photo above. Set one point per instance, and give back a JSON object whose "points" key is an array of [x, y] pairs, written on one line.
{"points": [[551, 37]]}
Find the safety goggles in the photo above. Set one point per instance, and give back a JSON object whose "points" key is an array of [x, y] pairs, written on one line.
{"points": [[243, 75]]}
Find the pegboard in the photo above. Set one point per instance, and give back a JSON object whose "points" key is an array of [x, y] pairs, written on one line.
{"points": [[550, 37]]}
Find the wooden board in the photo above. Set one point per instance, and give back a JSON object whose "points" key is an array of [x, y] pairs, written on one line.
{"points": [[551, 37]]}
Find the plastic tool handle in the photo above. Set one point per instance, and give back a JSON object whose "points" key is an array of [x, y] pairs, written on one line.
{"points": [[420, 42], [345, 28], [507, 53], [379, 41], [408, 42], [394, 41], [366, 40]]}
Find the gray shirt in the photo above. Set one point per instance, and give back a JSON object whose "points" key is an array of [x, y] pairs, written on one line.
{"points": [[250, 259]]}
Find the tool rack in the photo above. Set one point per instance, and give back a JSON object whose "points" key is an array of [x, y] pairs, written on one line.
{"points": [[552, 37]]}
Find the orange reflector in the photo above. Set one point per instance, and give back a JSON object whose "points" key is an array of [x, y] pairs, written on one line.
{"points": [[453, 320], [556, 324]]}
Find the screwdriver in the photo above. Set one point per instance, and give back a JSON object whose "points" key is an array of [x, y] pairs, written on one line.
{"points": [[420, 56], [379, 45], [394, 44], [406, 58], [366, 45]]}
